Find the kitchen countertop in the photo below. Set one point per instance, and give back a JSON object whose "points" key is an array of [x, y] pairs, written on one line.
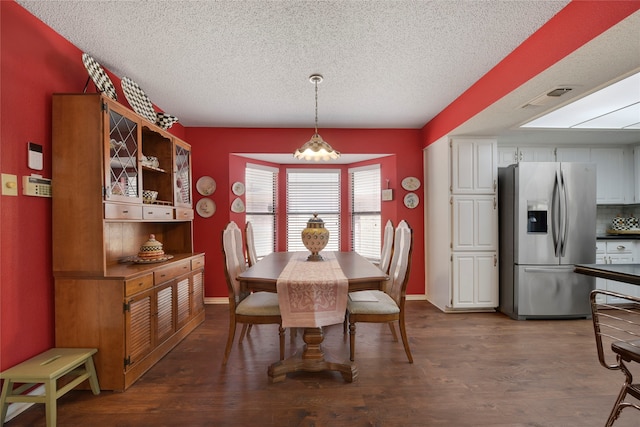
{"points": [[617, 236], [628, 273]]}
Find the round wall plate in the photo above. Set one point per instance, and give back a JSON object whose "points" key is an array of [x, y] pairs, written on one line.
{"points": [[237, 206], [206, 207], [206, 185], [237, 188], [411, 200], [411, 183]]}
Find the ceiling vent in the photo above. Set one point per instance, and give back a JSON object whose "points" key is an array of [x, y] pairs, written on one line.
{"points": [[547, 97]]}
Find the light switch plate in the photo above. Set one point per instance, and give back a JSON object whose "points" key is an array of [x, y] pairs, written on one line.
{"points": [[9, 185]]}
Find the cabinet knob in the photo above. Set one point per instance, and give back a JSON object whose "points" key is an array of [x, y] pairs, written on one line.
{"points": [[620, 248]]}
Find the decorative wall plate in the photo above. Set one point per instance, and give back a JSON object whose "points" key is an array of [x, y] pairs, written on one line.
{"points": [[411, 200], [165, 121], [138, 99], [237, 188], [411, 183], [237, 206], [206, 185], [206, 207], [99, 76]]}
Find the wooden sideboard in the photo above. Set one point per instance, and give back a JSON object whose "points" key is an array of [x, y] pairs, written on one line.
{"points": [[132, 312]]}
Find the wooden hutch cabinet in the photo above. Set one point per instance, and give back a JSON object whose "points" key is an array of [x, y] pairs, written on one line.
{"points": [[133, 313]]}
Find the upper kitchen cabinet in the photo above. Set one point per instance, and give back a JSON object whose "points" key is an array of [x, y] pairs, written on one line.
{"points": [[612, 186], [509, 155], [474, 166], [573, 154]]}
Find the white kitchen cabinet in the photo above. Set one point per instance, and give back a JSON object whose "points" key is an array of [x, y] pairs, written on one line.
{"points": [[475, 223], [636, 174], [573, 154], [616, 252], [508, 155], [611, 187], [474, 278], [474, 166], [461, 224]]}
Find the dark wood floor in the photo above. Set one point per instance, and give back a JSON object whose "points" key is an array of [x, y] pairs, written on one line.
{"points": [[479, 369]]}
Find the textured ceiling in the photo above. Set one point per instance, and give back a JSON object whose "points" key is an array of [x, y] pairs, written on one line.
{"points": [[386, 64]]}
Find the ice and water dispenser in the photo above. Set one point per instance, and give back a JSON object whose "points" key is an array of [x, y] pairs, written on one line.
{"points": [[537, 212]]}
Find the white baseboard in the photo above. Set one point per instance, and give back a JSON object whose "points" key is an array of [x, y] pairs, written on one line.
{"points": [[16, 408]]}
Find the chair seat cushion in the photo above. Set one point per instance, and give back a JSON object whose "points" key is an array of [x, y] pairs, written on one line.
{"points": [[384, 304], [259, 304], [628, 350]]}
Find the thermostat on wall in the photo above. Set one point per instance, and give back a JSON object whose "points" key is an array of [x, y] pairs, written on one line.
{"points": [[34, 156]]}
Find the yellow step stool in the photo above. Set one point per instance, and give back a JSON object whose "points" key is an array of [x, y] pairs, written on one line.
{"points": [[46, 368]]}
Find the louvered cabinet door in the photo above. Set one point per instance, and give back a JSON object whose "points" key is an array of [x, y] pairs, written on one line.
{"points": [[139, 327], [197, 292], [183, 302], [165, 311]]}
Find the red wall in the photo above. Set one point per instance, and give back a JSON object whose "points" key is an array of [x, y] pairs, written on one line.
{"points": [[36, 62], [213, 150]]}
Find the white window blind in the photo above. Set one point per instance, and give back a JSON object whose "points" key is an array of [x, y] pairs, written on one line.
{"points": [[260, 202], [312, 191], [365, 215]]}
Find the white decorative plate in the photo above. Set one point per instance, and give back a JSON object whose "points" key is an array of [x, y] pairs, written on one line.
{"points": [[237, 188], [411, 200], [206, 207], [206, 185], [237, 206], [411, 183], [99, 76], [138, 99]]}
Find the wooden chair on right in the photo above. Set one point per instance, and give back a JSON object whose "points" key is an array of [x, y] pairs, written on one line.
{"points": [[389, 303], [245, 307], [250, 244], [616, 323], [387, 247]]}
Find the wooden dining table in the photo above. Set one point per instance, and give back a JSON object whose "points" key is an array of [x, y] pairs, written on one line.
{"points": [[263, 276]]}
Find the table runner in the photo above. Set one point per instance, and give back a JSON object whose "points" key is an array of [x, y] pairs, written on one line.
{"points": [[312, 293]]}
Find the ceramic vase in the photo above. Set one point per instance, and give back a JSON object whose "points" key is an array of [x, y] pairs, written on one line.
{"points": [[315, 238]]}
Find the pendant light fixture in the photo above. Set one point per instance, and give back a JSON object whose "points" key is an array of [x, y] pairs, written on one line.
{"points": [[316, 148]]}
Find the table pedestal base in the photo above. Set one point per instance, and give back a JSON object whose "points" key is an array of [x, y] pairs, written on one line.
{"points": [[312, 360]]}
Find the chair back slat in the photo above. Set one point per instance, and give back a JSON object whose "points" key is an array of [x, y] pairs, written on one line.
{"points": [[400, 263], [387, 247], [616, 319], [234, 259], [252, 257]]}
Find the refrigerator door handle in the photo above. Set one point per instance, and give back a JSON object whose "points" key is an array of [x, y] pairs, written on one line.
{"points": [[555, 215], [564, 214], [554, 269]]}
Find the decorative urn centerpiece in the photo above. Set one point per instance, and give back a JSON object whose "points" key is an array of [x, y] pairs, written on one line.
{"points": [[151, 249], [315, 237]]}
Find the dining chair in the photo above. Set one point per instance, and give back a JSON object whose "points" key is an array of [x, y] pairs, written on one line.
{"points": [[616, 324], [387, 247], [246, 308], [250, 244], [386, 305]]}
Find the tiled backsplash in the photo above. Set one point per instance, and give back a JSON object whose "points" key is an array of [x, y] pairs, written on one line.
{"points": [[607, 212]]}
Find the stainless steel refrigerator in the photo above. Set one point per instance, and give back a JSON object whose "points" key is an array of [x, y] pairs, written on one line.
{"points": [[547, 217]]}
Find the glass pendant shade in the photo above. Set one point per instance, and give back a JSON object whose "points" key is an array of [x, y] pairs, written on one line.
{"points": [[316, 148]]}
